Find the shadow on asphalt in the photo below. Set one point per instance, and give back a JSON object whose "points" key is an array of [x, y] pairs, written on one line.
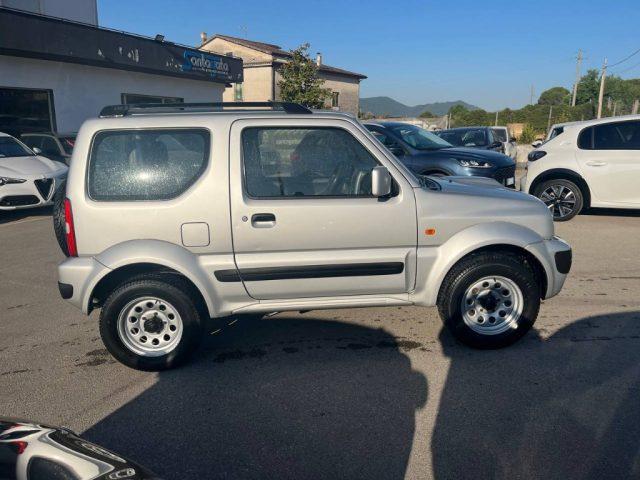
{"points": [[8, 216], [277, 398], [564, 407]]}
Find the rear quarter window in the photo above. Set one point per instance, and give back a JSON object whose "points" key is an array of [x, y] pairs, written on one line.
{"points": [[149, 164]]}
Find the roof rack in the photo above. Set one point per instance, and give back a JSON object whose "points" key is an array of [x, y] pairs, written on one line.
{"points": [[131, 109]]}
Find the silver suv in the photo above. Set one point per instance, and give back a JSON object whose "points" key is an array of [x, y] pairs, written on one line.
{"points": [[176, 214]]}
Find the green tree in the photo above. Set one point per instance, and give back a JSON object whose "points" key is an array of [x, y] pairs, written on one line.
{"points": [[300, 82], [589, 88], [427, 114], [555, 96]]}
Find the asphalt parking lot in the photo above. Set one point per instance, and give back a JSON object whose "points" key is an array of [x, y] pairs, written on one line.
{"points": [[363, 393]]}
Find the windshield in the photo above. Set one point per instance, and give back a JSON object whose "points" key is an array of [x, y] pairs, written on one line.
{"points": [[419, 138], [10, 147], [500, 134], [473, 137]]}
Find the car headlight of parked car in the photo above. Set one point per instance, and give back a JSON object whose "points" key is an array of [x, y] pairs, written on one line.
{"points": [[8, 180], [536, 155], [474, 163]]}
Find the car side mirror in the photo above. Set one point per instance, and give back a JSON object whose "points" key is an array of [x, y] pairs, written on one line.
{"points": [[536, 144], [380, 181], [36, 150]]}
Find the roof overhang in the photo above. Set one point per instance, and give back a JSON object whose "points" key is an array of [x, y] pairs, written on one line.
{"points": [[24, 34]]}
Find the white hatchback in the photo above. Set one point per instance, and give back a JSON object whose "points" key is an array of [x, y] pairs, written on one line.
{"points": [[589, 164], [26, 179]]}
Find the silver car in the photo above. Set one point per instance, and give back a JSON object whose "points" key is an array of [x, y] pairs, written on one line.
{"points": [[174, 214]]}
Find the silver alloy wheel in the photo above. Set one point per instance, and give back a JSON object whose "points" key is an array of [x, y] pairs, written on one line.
{"points": [[492, 305], [150, 326], [560, 200]]}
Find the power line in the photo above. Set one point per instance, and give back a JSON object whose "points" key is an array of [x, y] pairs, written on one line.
{"points": [[629, 68], [625, 58]]}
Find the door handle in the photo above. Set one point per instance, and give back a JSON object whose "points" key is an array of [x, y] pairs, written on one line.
{"points": [[263, 220], [595, 163]]}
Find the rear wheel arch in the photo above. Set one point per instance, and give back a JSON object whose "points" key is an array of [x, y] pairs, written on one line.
{"points": [[137, 271], [563, 174]]}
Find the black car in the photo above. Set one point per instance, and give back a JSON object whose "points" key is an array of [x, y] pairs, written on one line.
{"points": [[54, 146], [427, 154], [473, 137]]}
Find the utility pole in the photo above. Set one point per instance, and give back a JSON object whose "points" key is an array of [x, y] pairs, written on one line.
{"points": [[602, 79], [496, 118], [532, 91], [615, 107], [636, 104], [575, 85], [549, 119]]}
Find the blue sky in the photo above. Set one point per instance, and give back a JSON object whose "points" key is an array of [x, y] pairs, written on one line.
{"points": [[487, 53]]}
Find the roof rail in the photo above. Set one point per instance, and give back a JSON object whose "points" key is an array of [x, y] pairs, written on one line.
{"points": [[131, 109]]}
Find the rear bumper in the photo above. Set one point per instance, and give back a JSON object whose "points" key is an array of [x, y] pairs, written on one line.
{"points": [[77, 277], [555, 256]]}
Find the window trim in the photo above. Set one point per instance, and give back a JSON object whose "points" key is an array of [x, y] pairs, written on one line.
{"points": [[395, 190], [187, 187]]}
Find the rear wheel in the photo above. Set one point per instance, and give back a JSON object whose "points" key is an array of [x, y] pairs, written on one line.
{"points": [[563, 198], [150, 324], [489, 300]]}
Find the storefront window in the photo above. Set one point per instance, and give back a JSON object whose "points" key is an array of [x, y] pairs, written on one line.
{"points": [[130, 98], [24, 110]]}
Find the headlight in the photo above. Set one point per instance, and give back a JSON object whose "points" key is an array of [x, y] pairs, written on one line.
{"points": [[474, 163], [7, 180], [536, 155]]}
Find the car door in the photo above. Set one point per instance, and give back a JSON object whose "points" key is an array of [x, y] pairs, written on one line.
{"points": [[304, 221], [609, 159]]}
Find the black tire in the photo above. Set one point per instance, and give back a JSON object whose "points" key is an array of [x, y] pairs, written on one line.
{"points": [[58, 217], [172, 290], [569, 190], [474, 268]]}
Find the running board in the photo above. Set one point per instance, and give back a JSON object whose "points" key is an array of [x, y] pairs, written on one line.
{"points": [[324, 303]]}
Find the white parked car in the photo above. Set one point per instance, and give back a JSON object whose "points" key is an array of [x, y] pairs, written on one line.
{"points": [[26, 179], [503, 135], [595, 163]]}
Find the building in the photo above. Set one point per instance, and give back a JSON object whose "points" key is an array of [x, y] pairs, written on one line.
{"points": [[261, 73], [58, 72]]}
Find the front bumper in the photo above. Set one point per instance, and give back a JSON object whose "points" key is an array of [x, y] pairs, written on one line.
{"points": [[37, 191], [555, 255]]}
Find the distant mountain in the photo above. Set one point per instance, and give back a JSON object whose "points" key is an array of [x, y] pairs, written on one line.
{"points": [[389, 106]]}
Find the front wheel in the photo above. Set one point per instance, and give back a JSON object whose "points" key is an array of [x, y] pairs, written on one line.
{"points": [[489, 300], [563, 198], [150, 324]]}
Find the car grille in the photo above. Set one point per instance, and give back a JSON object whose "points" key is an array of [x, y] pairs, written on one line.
{"points": [[502, 174], [44, 186], [19, 201]]}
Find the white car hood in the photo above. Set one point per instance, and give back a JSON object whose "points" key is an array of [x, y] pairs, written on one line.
{"points": [[32, 166]]}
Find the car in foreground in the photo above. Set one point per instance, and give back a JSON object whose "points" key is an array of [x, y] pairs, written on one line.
{"points": [[427, 154], [595, 163], [473, 137], [27, 180], [35, 451], [174, 214], [54, 146], [502, 134]]}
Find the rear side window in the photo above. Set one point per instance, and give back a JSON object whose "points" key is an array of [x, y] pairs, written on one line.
{"points": [[146, 164], [585, 139]]}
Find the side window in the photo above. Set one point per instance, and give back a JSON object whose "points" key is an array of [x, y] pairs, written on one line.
{"points": [[617, 136], [50, 146], [305, 162], [146, 164], [585, 139], [33, 141]]}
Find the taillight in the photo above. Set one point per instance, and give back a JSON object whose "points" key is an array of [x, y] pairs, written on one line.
{"points": [[69, 230]]}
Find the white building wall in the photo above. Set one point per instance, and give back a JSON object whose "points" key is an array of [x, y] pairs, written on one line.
{"points": [[80, 92], [79, 10]]}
